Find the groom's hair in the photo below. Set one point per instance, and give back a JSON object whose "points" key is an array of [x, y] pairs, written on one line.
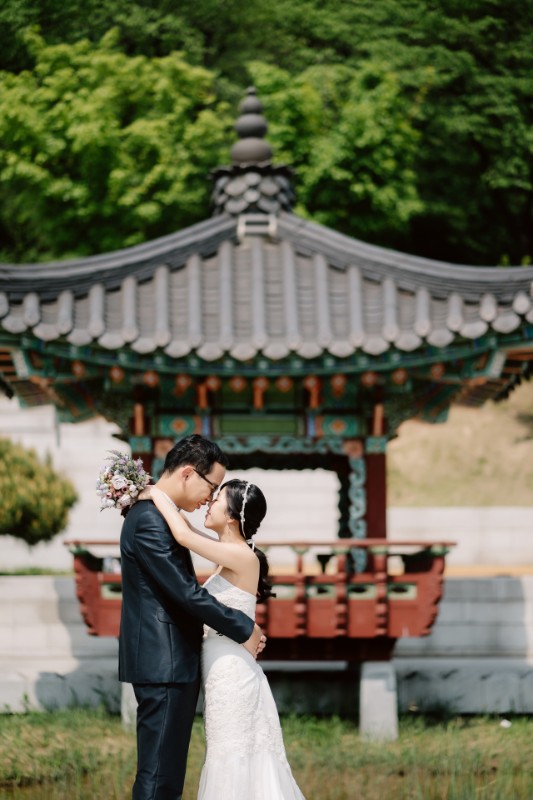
{"points": [[196, 451]]}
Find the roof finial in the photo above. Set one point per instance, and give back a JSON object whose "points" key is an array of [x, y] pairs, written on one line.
{"points": [[252, 184], [251, 127]]}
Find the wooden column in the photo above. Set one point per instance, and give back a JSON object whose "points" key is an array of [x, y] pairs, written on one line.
{"points": [[376, 495], [376, 474]]}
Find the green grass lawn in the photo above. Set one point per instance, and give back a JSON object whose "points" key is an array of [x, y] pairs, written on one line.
{"points": [[82, 755]]}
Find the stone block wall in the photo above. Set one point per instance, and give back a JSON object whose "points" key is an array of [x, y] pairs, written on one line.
{"points": [[47, 659], [479, 656]]}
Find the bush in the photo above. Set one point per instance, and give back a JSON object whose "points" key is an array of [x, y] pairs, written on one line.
{"points": [[35, 499]]}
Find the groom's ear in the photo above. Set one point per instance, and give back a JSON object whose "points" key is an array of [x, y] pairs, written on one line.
{"points": [[186, 471]]}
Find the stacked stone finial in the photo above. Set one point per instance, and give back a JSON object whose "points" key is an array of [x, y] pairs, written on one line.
{"points": [[252, 184], [251, 127]]}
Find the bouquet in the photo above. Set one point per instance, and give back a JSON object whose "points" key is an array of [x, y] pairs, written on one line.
{"points": [[120, 482]]}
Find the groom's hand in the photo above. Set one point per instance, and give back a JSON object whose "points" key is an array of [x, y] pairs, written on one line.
{"points": [[256, 643]]}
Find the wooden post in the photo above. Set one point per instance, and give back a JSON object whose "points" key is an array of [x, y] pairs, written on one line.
{"points": [[376, 495], [138, 419]]}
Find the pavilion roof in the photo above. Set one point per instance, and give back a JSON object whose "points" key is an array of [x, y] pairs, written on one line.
{"points": [[255, 284], [257, 288]]}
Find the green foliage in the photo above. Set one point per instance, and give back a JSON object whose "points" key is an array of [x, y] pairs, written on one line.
{"points": [[349, 134], [102, 151], [471, 66], [35, 499], [143, 28], [463, 77], [409, 124]]}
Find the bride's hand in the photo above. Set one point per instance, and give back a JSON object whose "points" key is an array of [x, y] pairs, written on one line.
{"points": [[146, 493]]}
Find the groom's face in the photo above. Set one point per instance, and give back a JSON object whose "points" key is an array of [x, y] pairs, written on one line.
{"points": [[201, 487]]}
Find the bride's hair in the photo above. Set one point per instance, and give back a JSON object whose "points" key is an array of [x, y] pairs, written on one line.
{"points": [[239, 493]]}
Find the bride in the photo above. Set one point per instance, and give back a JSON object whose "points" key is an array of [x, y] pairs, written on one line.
{"points": [[245, 757]]}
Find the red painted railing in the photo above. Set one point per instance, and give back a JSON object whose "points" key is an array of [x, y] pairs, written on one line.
{"points": [[337, 614]]}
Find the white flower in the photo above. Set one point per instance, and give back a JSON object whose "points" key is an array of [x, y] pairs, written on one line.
{"points": [[133, 490], [107, 502], [124, 501], [118, 482]]}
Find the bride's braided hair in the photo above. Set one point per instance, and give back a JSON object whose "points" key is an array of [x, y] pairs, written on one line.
{"points": [[247, 505]]}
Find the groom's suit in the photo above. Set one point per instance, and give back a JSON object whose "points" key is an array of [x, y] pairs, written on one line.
{"points": [[163, 611]]}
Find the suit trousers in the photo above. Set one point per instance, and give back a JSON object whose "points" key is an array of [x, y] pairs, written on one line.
{"points": [[165, 714]]}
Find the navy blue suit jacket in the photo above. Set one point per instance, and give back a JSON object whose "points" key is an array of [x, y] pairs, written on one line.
{"points": [[163, 606]]}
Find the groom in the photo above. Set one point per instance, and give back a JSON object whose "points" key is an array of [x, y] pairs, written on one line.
{"points": [[163, 611]]}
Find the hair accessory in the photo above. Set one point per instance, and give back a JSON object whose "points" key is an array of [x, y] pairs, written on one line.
{"points": [[251, 543], [244, 497]]}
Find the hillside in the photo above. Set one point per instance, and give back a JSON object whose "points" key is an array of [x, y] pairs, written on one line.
{"points": [[479, 457]]}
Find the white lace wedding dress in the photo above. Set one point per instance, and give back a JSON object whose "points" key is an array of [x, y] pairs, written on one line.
{"points": [[245, 757]]}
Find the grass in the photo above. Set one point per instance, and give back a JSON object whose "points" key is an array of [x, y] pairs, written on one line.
{"points": [[84, 754], [5, 573], [479, 457]]}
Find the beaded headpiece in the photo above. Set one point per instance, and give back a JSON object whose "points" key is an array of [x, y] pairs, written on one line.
{"points": [[244, 499]]}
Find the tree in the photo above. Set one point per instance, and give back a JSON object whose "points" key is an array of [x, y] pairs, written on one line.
{"points": [[102, 151], [470, 64], [349, 134], [35, 499], [450, 80], [143, 28]]}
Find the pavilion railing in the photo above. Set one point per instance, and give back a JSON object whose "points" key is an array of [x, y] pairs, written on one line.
{"points": [[322, 608]]}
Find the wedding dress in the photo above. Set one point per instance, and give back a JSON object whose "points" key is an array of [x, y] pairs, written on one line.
{"points": [[245, 757]]}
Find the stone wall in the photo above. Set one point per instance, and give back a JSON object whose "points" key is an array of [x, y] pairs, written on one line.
{"points": [[47, 659], [479, 657]]}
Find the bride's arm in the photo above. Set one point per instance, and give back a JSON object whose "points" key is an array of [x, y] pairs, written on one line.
{"points": [[226, 554]]}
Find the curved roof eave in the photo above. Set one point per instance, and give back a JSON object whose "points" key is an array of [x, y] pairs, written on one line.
{"points": [[50, 278], [408, 271], [262, 285]]}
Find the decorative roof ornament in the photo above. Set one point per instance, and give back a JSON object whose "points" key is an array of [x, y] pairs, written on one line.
{"points": [[252, 184], [251, 127]]}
